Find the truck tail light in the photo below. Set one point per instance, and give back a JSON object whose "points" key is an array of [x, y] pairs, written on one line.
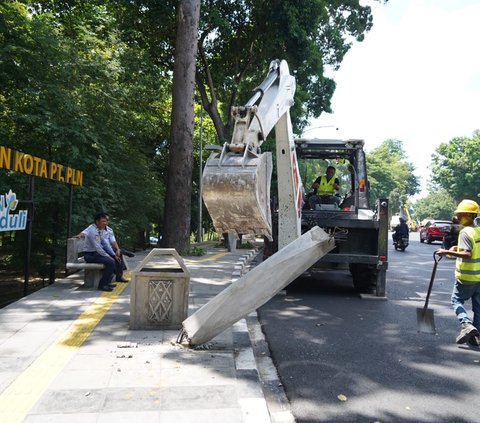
{"points": [[361, 185], [382, 258]]}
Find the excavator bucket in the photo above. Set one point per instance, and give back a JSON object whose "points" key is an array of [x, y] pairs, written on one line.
{"points": [[236, 192]]}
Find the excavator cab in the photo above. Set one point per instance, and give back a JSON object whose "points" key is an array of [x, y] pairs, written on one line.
{"points": [[236, 177]]}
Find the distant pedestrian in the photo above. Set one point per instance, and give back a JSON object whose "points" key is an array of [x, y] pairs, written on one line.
{"points": [[467, 272]]}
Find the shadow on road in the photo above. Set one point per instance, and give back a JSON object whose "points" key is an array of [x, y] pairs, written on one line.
{"points": [[327, 344]]}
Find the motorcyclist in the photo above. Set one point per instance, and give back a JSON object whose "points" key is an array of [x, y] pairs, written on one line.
{"points": [[400, 230]]}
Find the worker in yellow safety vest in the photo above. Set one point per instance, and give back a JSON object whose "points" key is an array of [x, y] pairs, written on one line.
{"points": [[467, 272], [324, 188]]}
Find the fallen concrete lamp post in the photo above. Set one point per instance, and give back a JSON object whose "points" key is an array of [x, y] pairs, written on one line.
{"points": [[256, 287]]}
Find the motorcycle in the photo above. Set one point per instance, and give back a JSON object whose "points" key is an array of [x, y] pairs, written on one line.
{"points": [[401, 243]]}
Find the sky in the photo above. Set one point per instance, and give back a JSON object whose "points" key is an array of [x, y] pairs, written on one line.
{"points": [[415, 78]]}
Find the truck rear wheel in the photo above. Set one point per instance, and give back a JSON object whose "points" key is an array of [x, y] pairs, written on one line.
{"points": [[364, 278]]}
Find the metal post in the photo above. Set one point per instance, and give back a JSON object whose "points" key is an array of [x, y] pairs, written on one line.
{"points": [[200, 203], [28, 243], [69, 211], [51, 274], [69, 223]]}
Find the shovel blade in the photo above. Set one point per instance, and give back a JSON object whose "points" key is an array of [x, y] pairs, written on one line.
{"points": [[425, 320]]}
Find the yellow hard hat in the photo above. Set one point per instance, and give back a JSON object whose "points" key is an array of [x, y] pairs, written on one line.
{"points": [[467, 206]]}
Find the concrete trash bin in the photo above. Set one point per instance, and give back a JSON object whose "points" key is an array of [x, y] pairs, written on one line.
{"points": [[159, 291]]}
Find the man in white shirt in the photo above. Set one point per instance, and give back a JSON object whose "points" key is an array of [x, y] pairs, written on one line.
{"points": [[95, 250]]}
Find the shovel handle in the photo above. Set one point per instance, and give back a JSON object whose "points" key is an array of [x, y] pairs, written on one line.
{"points": [[434, 271]]}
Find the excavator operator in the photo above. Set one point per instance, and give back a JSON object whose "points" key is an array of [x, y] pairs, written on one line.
{"points": [[324, 189]]}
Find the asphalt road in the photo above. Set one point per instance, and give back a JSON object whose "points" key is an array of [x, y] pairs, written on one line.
{"points": [[344, 359]]}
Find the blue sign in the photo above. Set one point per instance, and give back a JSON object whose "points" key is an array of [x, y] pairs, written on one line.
{"points": [[8, 220]]}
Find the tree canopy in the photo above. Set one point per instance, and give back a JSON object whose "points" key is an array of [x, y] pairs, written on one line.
{"points": [[68, 85], [455, 167], [238, 39], [391, 175], [436, 205], [88, 84]]}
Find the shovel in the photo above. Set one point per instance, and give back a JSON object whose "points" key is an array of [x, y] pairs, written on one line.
{"points": [[425, 320]]}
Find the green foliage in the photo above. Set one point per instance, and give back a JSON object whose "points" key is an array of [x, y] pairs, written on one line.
{"points": [[436, 205], [239, 39], [247, 245], [73, 92], [87, 84], [203, 128], [391, 175], [455, 167], [196, 251]]}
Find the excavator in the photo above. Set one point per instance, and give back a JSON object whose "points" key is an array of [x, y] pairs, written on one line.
{"points": [[236, 192], [236, 187], [412, 224]]}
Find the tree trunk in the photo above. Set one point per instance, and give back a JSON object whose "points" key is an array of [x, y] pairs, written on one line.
{"points": [[176, 223]]}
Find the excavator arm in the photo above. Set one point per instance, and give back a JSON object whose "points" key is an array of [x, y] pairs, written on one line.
{"points": [[236, 180], [271, 99]]}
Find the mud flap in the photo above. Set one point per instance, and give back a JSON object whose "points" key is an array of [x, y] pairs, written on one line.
{"points": [[256, 287], [236, 192]]}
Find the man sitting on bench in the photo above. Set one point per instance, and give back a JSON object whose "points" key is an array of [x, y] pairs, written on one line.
{"points": [[324, 189], [94, 251]]}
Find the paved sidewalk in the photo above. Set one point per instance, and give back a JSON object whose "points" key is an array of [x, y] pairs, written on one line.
{"points": [[67, 355]]}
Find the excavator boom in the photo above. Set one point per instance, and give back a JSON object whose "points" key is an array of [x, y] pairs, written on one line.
{"points": [[236, 180]]}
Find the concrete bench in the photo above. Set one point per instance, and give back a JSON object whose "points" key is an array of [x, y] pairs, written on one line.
{"points": [[75, 262]]}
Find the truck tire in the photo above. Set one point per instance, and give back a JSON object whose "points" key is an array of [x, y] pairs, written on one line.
{"points": [[364, 278]]}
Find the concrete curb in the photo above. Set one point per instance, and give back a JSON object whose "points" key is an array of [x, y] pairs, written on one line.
{"points": [[254, 406], [273, 392], [252, 402], [255, 358], [241, 266]]}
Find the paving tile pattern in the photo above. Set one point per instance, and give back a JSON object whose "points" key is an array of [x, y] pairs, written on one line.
{"points": [[119, 374]]}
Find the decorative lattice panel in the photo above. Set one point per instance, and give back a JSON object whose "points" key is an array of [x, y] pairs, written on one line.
{"points": [[160, 301]]}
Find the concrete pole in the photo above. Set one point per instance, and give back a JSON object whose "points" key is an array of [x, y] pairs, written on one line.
{"points": [[256, 287]]}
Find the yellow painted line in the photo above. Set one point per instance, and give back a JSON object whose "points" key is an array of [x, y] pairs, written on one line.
{"points": [[19, 397], [214, 257]]}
